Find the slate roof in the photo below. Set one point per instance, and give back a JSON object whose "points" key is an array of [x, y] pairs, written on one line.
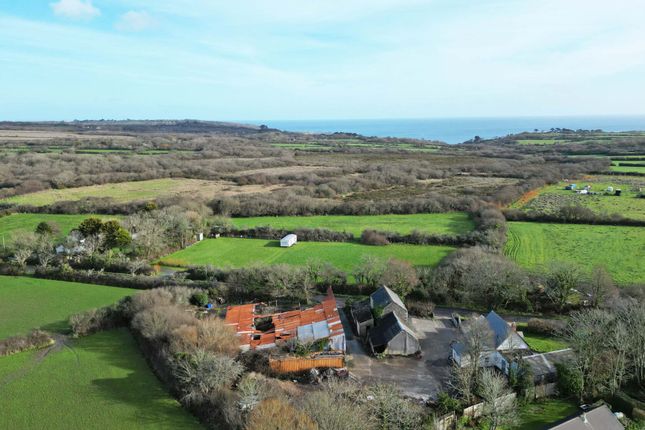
{"points": [[387, 329], [384, 296], [362, 312], [544, 364], [499, 326], [600, 418]]}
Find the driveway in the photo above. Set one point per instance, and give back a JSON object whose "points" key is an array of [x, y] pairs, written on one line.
{"points": [[420, 378]]}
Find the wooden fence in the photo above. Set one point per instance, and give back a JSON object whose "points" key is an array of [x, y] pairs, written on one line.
{"points": [[475, 411], [298, 364]]}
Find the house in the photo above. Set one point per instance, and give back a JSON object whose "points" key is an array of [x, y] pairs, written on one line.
{"points": [[362, 317], [393, 337], [384, 301], [503, 339], [599, 418], [258, 331], [288, 241]]}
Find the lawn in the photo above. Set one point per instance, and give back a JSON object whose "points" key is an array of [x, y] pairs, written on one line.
{"points": [[97, 382], [551, 198], [122, 191], [27, 303], [538, 415], [13, 224], [439, 223], [620, 249], [231, 252], [539, 342]]}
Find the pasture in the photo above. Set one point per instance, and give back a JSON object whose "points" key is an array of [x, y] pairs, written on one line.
{"points": [[97, 382], [450, 223], [236, 253], [27, 303], [627, 168], [551, 198], [138, 190], [619, 249], [14, 224]]}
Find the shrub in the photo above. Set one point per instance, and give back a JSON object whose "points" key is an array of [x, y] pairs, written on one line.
{"points": [[199, 299], [35, 340], [94, 320], [158, 323], [371, 237], [272, 414], [569, 380], [544, 326], [203, 373], [447, 403], [421, 309]]}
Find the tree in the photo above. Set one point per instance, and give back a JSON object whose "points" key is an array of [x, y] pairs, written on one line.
{"points": [[47, 228], [44, 250], [90, 226], [500, 406], [391, 410], [23, 248], [601, 286], [561, 279], [114, 236], [369, 271], [203, 373], [136, 265], [400, 276], [478, 338]]}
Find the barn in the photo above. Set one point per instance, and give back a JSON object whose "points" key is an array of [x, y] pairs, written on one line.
{"points": [[288, 241], [385, 301], [393, 337]]}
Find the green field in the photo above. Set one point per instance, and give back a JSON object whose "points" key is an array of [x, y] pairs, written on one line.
{"points": [[539, 141], [539, 342], [440, 223], [620, 249], [27, 303], [12, 225], [120, 192], [553, 197], [235, 253], [97, 382], [538, 415], [628, 169]]}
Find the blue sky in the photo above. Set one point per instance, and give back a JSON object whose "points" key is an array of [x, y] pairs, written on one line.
{"points": [[319, 59]]}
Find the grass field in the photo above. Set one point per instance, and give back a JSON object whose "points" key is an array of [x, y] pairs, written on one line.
{"points": [[620, 249], [136, 190], [27, 303], [538, 415], [440, 223], [231, 252], [628, 169], [551, 198], [13, 224], [97, 382]]}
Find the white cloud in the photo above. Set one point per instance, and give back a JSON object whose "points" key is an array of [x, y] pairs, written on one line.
{"points": [[75, 9], [134, 21]]}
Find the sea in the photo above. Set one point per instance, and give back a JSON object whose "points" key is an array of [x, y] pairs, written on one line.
{"points": [[457, 130]]}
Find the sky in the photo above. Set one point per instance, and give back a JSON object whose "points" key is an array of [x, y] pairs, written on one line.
{"points": [[320, 59]]}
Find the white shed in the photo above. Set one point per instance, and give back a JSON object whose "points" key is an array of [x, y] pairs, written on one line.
{"points": [[289, 240]]}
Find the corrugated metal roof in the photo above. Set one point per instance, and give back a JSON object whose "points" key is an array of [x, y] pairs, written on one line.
{"points": [[318, 322]]}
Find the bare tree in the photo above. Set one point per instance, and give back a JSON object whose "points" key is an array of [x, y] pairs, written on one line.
{"points": [[601, 286], [560, 281], [500, 406], [23, 248], [477, 340]]}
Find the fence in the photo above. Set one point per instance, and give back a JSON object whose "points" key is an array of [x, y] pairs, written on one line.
{"points": [[297, 364], [475, 411]]}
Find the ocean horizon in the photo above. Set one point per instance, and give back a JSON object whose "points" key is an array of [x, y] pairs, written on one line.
{"points": [[457, 130]]}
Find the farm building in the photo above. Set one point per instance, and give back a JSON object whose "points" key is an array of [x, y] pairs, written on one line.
{"points": [[393, 337], [600, 417], [543, 368], [289, 240], [257, 331], [362, 317], [384, 301], [504, 339]]}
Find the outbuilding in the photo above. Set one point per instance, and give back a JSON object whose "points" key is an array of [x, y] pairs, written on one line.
{"points": [[393, 337], [384, 301], [288, 241]]}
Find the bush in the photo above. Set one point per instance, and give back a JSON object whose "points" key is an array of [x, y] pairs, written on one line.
{"points": [[199, 299], [203, 373], [35, 340], [421, 309], [447, 403], [272, 414], [544, 326], [371, 237], [94, 320], [569, 380]]}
